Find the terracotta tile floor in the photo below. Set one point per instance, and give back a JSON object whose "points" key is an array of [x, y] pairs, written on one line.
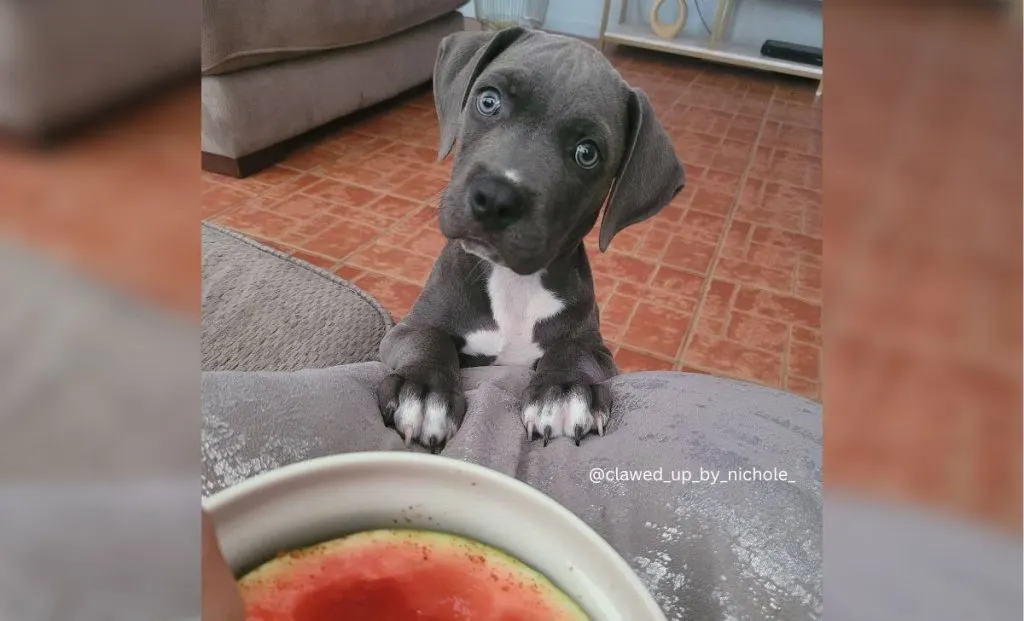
{"points": [[727, 280]]}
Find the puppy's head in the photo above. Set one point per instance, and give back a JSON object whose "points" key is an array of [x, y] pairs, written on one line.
{"points": [[547, 131]]}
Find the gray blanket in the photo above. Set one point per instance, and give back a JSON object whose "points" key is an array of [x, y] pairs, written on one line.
{"points": [[707, 548]]}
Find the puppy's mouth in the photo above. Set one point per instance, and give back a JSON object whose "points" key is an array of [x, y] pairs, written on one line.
{"points": [[480, 249]]}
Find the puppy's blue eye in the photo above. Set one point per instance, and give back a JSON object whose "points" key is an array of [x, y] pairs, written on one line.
{"points": [[488, 102], [587, 154]]}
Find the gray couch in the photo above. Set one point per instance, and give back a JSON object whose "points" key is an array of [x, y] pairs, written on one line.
{"points": [[62, 63], [273, 71]]}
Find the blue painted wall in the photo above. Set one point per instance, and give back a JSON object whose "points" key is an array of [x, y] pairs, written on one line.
{"points": [[798, 21]]}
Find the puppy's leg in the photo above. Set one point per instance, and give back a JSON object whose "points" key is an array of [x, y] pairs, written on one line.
{"points": [[566, 396], [421, 399]]}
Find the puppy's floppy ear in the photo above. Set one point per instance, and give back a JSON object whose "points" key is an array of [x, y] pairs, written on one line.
{"points": [[461, 58], [649, 176]]}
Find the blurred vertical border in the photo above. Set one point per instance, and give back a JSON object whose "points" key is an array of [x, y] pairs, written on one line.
{"points": [[923, 162], [99, 291]]}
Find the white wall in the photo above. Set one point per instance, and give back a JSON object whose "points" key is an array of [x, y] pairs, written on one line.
{"points": [[797, 21]]}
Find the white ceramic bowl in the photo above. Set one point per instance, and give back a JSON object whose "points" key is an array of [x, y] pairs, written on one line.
{"points": [[324, 498]]}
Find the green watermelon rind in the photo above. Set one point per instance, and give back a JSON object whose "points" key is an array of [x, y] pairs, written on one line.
{"points": [[282, 563]]}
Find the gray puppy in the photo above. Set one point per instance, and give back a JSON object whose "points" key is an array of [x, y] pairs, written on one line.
{"points": [[547, 131]]}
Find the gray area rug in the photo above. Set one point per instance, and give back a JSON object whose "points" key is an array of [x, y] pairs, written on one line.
{"points": [[263, 310]]}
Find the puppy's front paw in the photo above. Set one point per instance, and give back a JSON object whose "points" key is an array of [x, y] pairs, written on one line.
{"points": [[570, 409], [418, 410]]}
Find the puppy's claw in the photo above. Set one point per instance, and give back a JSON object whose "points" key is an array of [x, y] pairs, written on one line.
{"points": [[529, 430], [600, 425], [578, 434], [419, 413], [547, 435]]}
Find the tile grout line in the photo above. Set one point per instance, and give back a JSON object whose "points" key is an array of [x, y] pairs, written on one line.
{"points": [[297, 247], [729, 311], [706, 287], [784, 376], [367, 271], [657, 264], [367, 244], [339, 262], [325, 176], [321, 174]]}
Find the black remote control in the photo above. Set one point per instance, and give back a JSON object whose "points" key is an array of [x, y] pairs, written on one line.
{"points": [[795, 52]]}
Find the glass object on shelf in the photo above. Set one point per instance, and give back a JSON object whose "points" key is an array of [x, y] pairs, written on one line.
{"points": [[499, 14], [535, 14]]}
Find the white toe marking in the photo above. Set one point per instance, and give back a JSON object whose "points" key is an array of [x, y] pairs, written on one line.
{"points": [[409, 416], [551, 412], [518, 304], [435, 418], [577, 412], [562, 415], [531, 418]]}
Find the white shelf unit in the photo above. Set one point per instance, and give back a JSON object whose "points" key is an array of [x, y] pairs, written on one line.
{"points": [[715, 47]]}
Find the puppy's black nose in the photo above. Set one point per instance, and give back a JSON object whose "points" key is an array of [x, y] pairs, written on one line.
{"points": [[495, 201]]}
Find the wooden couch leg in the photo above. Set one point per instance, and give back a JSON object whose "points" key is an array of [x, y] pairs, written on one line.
{"points": [[244, 166]]}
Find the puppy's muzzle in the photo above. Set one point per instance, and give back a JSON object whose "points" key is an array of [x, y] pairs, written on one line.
{"points": [[496, 202]]}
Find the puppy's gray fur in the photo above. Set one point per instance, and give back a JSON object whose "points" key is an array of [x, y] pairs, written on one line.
{"points": [[513, 284]]}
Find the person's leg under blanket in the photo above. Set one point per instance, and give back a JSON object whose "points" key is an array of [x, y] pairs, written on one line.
{"points": [[707, 550]]}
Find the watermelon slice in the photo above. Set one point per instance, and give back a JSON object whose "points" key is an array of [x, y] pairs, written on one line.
{"points": [[402, 575]]}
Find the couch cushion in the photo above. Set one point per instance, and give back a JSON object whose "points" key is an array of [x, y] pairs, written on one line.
{"points": [[246, 111], [265, 311], [246, 33]]}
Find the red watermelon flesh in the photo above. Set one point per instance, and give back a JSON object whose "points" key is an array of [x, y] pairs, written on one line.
{"points": [[402, 575]]}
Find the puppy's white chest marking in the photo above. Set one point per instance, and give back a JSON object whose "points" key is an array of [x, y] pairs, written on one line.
{"points": [[518, 304]]}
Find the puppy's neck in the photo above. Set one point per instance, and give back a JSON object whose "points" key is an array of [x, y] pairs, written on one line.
{"points": [[573, 258]]}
